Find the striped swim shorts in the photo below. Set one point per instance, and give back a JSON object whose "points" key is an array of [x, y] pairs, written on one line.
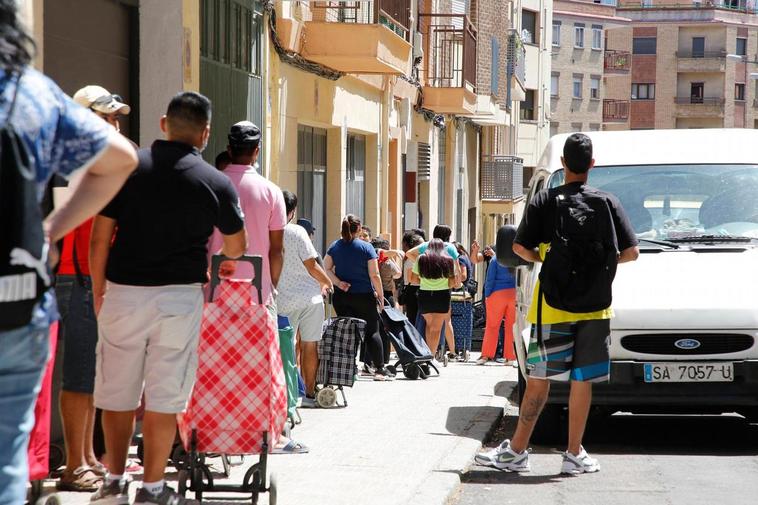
{"points": [[573, 351]]}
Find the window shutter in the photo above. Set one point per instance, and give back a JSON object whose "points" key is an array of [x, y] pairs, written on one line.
{"points": [[495, 67]]}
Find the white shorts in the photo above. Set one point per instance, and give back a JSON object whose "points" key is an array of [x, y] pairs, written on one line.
{"points": [[148, 340], [309, 321]]}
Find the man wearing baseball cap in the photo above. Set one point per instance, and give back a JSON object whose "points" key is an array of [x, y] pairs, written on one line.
{"points": [[100, 101], [261, 198], [78, 330]]}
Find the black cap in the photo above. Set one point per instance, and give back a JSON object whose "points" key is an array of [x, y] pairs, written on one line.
{"points": [[306, 223], [243, 133]]}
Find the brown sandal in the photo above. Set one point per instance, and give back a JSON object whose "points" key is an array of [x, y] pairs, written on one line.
{"points": [[83, 479]]}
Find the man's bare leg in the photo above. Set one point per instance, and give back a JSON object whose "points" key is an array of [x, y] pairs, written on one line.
{"points": [[310, 365], [158, 432], [580, 400], [531, 406], [118, 428]]}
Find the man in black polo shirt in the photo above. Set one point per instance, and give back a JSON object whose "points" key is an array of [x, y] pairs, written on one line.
{"points": [[149, 312]]}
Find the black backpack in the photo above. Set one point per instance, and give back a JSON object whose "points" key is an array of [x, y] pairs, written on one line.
{"points": [[578, 272], [24, 273]]}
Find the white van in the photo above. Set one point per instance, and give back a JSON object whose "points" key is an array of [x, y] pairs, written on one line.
{"points": [[684, 335]]}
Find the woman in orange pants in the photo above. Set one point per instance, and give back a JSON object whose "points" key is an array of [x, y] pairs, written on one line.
{"points": [[500, 301]]}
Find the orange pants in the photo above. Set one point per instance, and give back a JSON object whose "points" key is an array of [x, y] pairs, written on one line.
{"points": [[500, 305]]}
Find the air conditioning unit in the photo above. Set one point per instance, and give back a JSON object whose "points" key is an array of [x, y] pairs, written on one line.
{"points": [[418, 43]]}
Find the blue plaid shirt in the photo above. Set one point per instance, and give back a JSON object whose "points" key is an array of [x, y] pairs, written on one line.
{"points": [[61, 136]]}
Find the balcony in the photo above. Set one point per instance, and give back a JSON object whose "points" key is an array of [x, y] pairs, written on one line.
{"points": [[449, 63], [617, 62], [615, 111], [699, 107], [360, 36], [516, 67], [701, 61], [501, 178]]}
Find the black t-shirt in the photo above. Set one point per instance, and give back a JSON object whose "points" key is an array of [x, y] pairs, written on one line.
{"points": [[165, 214], [538, 224]]}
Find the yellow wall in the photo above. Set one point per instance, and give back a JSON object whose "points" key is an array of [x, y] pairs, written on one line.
{"points": [[191, 45]]}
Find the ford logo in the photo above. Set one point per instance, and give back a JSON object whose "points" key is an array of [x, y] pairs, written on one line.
{"points": [[687, 343]]}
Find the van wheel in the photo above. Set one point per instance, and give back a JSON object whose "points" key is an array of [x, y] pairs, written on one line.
{"points": [[550, 428]]}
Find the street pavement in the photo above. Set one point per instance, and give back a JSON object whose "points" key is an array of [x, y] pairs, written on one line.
{"points": [[676, 460], [402, 442]]}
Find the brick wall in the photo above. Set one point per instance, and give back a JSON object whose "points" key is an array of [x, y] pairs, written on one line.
{"points": [[492, 19]]}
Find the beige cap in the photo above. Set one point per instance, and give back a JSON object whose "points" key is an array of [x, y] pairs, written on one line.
{"points": [[101, 100]]}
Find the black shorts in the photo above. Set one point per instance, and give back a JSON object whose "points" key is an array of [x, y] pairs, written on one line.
{"points": [[433, 302]]}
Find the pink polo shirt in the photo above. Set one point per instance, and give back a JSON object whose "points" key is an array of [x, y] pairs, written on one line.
{"points": [[263, 204]]}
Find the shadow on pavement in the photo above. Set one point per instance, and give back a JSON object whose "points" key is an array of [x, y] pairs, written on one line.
{"points": [[488, 476], [506, 389]]}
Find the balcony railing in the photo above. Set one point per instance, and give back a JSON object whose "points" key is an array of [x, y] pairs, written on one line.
{"points": [[701, 54], [394, 14], [615, 110], [617, 61], [502, 178], [516, 57], [450, 50], [697, 100], [736, 6]]}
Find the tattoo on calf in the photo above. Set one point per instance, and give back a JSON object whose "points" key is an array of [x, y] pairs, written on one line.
{"points": [[531, 410]]}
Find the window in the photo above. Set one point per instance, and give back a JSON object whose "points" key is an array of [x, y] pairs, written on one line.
{"points": [[579, 35], [643, 91], [739, 91], [556, 33], [576, 127], [577, 91], [697, 92], [527, 106], [529, 26], [356, 175], [647, 3], [311, 180], [554, 81], [741, 46], [644, 45], [594, 127], [229, 35], [595, 88], [597, 37], [698, 47]]}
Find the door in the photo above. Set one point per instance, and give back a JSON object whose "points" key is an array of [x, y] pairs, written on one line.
{"points": [[696, 92], [698, 47], [311, 180]]}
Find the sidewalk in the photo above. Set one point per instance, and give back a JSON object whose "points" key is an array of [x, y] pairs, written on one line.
{"points": [[403, 442]]}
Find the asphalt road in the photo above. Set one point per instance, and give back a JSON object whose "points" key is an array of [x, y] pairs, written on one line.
{"points": [[677, 460]]}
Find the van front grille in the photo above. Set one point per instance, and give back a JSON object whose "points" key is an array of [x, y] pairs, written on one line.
{"points": [[688, 344]]}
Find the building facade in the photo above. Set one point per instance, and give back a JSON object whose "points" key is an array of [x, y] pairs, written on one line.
{"points": [[585, 64]]}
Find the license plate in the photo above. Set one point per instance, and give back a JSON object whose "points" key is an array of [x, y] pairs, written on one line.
{"points": [[689, 372]]}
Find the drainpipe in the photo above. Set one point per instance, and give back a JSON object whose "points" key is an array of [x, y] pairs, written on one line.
{"points": [[384, 139], [272, 106]]}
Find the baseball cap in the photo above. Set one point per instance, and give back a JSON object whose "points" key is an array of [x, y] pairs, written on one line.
{"points": [[243, 133], [306, 223], [101, 100]]}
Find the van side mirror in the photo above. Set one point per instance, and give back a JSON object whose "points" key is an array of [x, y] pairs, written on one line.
{"points": [[504, 248]]}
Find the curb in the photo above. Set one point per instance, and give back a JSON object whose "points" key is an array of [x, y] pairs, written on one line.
{"points": [[442, 485]]}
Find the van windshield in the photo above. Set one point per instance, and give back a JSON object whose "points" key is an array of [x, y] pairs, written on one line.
{"points": [[667, 202]]}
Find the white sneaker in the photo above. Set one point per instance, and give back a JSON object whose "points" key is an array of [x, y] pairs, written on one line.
{"points": [[482, 361], [582, 463], [504, 458]]}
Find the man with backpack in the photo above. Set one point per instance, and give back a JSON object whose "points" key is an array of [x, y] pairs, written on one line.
{"points": [[580, 234], [43, 132]]}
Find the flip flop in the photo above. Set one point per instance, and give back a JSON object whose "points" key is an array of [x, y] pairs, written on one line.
{"points": [[83, 480], [291, 447]]}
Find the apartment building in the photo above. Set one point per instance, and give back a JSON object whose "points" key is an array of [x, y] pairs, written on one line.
{"points": [[691, 64], [585, 61]]}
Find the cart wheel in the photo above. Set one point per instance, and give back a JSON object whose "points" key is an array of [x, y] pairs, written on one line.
{"points": [[181, 478], [179, 457], [412, 371], [57, 457], [392, 369], [272, 489], [50, 500], [326, 398]]}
